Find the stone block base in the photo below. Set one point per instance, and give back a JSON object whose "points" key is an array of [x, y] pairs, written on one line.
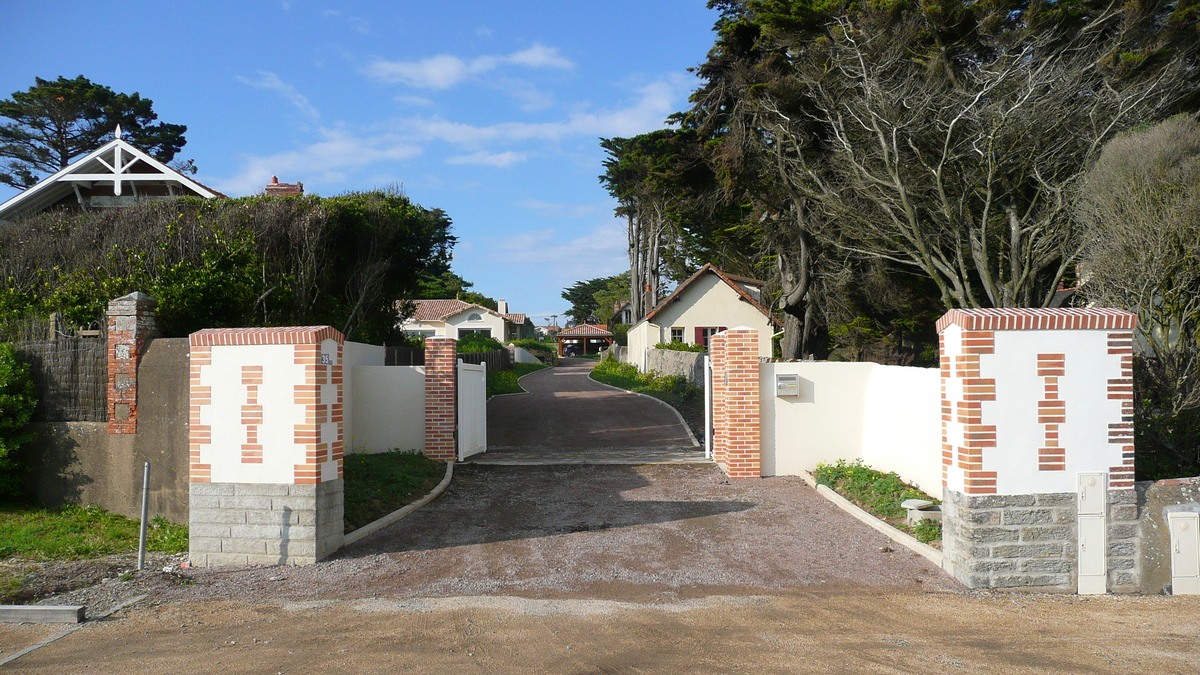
{"points": [[264, 524], [1023, 542]]}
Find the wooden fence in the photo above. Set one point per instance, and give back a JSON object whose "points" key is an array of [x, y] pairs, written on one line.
{"points": [[498, 359], [70, 377]]}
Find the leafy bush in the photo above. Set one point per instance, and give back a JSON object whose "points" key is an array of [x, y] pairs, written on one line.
{"points": [[681, 347], [17, 403], [875, 491], [473, 343]]}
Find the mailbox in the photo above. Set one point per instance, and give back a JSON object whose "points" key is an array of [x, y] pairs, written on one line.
{"points": [[787, 384]]}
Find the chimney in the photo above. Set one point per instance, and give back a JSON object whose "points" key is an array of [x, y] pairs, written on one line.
{"points": [[502, 306], [275, 188]]}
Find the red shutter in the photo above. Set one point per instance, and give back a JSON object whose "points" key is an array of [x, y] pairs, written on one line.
{"points": [[700, 337], [722, 328]]}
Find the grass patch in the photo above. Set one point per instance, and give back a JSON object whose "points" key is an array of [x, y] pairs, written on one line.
{"points": [[73, 532], [377, 484], [505, 381], [675, 390], [878, 493]]}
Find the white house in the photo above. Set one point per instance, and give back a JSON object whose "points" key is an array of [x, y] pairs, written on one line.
{"points": [[706, 303], [455, 318], [115, 174]]}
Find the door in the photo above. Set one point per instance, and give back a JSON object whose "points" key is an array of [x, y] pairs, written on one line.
{"points": [[472, 409], [1091, 500], [708, 407], [1185, 553]]}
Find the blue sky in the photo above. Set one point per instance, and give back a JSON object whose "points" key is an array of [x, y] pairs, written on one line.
{"points": [[491, 111]]}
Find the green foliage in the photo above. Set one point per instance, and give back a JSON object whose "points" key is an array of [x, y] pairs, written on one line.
{"points": [[681, 347], [17, 404], [506, 381], [927, 530], [81, 532], [620, 333], [378, 484], [56, 121], [582, 296], [875, 491], [473, 343], [614, 293], [256, 261]]}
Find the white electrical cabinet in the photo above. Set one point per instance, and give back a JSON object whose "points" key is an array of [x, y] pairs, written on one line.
{"points": [[1185, 552]]}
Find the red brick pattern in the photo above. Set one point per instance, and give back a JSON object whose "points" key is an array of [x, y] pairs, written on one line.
{"points": [[200, 395], [441, 398], [252, 414], [321, 371], [266, 336], [1038, 319], [1052, 411], [968, 411], [1121, 389], [736, 402], [131, 322]]}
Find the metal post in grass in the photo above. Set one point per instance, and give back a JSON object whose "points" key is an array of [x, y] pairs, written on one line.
{"points": [[145, 513]]}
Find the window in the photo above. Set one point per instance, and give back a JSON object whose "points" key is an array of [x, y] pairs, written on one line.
{"points": [[474, 317], [702, 335], [486, 332], [676, 335]]}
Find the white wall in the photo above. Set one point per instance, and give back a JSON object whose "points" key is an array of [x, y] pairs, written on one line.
{"points": [[487, 320], [355, 354], [522, 355], [887, 415], [710, 302], [389, 409]]}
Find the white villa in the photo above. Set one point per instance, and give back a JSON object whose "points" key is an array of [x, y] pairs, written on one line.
{"points": [[706, 303], [455, 318]]}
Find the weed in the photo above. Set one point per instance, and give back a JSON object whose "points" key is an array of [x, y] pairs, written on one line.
{"points": [[875, 491], [927, 530], [125, 576], [80, 532]]}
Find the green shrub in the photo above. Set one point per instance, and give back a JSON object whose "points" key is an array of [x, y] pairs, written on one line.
{"points": [[681, 347], [17, 403], [620, 333], [473, 343], [875, 491]]}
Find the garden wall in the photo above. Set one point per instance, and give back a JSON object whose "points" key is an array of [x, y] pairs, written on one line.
{"points": [[671, 362]]}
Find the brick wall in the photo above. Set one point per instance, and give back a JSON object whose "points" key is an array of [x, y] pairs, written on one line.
{"points": [[441, 398], [132, 321], [736, 403]]}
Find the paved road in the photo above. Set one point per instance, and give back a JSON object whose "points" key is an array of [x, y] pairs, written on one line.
{"points": [[568, 417]]}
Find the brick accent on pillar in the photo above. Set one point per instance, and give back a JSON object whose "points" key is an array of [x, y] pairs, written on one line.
{"points": [[132, 321], [441, 398], [736, 402]]}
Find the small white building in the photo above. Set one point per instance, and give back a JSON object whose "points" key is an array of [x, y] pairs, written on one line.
{"points": [[455, 318], [706, 303]]}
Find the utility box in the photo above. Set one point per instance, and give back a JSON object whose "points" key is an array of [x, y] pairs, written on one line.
{"points": [[787, 384], [1185, 552]]}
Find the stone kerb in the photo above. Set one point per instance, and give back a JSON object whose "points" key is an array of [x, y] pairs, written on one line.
{"points": [[266, 445], [736, 421], [131, 322], [441, 398], [1031, 398]]}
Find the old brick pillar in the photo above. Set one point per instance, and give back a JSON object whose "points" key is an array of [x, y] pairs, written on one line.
{"points": [[132, 321], [736, 402], [441, 398]]}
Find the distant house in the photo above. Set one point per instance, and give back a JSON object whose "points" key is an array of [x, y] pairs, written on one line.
{"points": [[623, 314], [547, 331], [455, 318], [115, 174], [706, 303], [583, 339]]}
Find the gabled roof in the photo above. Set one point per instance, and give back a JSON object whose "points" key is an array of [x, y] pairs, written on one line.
{"points": [[734, 282], [440, 310], [115, 162], [585, 330]]}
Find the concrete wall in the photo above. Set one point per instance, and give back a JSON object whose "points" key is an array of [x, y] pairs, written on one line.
{"points": [[81, 463], [386, 409], [885, 415], [669, 362], [522, 355]]}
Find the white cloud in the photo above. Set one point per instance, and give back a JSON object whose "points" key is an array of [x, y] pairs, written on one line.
{"points": [[271, 81], [325, 161], [484, 158], [446, 70], [358, 24], [598, 251]]}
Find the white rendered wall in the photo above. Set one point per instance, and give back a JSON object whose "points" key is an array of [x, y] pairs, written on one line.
{"points": [[888, 416], [1083, 388], [641, 337], [710, 302], [902, 429], [522, 355], [389, 409], [280, 415], [355, 354], [488, 320]]}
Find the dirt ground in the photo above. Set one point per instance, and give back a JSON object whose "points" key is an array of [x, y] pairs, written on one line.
{"points": [[611, 569]]}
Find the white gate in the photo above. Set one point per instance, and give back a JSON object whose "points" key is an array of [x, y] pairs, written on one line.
{"points": [[472, 409], [708, 407]]}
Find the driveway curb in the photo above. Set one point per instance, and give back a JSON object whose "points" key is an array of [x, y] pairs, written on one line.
{"points": [[682, 421], [903, 538], [373, 527]]}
